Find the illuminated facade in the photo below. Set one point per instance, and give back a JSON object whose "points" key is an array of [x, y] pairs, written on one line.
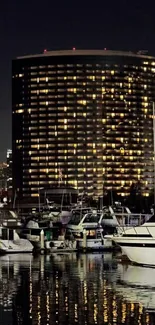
{"points": [[83, 117]]}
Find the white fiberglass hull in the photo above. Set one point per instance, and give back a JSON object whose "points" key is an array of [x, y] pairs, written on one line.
{"points": [[61, 245], [95, 244], [138, 250], [15, 246]]}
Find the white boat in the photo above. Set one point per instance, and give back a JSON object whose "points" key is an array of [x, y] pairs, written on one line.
{"points": [[109, 218], [94, 239], [138, 243], [54, 236], [87, 230], [10, 242], [32, 229], [82, 218]]}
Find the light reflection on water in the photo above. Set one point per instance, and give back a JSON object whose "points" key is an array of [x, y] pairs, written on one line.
{"points": [[75, 289]]}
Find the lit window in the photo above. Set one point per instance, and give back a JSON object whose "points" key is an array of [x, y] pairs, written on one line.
{"points": [[19, 111]]}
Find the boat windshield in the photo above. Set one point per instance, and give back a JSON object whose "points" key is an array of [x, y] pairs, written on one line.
{"points": [[92, 218], [77, 215], [76, 218]]}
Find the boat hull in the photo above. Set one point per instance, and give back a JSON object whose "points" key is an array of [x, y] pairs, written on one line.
{"points": [[95, 244], [13, 247], [139, 251]]}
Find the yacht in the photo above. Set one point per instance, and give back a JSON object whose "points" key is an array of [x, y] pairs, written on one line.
{"points": [[10, 242], [84, 224], [138, 242], [112, 219], [83, 217]]}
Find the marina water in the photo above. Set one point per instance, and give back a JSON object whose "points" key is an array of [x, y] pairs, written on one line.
{"points": [[93, 288]]}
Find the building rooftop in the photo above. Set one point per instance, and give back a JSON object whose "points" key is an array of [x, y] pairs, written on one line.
{"points": [[74, 52]]}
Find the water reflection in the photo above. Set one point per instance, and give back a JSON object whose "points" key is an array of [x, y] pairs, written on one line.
{"points": [[70, 289], [136, 284]]}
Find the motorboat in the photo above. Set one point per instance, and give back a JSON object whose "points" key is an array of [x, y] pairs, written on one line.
{"points": [[53, 236], [82, 218], [109, 219], [87, 230], [138, 243], [10, 242]]}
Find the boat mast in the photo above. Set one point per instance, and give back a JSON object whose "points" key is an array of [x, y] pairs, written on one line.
{"points": [[154, 149]]}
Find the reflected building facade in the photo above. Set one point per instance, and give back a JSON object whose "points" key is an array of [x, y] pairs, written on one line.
{"points": [[85, 117], [73, 292]]}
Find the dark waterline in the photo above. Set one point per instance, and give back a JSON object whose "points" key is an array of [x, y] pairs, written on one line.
{"points": [[69, 289]]}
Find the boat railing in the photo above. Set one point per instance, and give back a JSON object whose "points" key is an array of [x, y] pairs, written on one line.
{"points": [[122, 230], [127, 221], [132, 219]]}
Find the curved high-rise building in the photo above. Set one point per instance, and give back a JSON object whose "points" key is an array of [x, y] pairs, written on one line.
{"points": [[83, 118]]}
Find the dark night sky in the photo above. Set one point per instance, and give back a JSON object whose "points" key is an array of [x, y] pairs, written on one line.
{"points": [[28, 27]]}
